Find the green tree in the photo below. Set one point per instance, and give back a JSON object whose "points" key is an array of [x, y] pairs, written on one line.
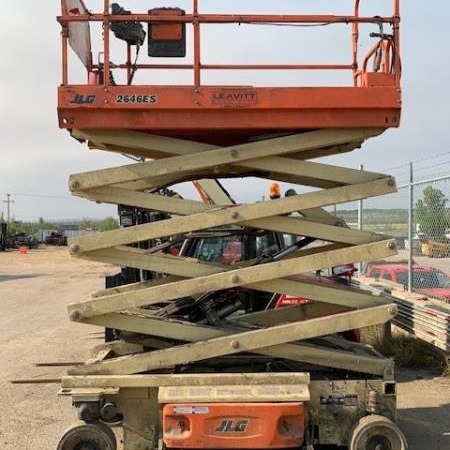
{"points": [[108, 224], [432, 213], [87, 224]]}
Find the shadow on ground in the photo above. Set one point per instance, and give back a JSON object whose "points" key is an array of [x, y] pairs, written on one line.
{"points": [[18, 277], [404, 375]]}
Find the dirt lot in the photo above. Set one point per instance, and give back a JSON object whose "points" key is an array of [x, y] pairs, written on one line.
{"points": [[34, 289]]}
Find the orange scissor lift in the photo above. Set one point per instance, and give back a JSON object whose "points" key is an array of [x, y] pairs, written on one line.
{"points": [[164, 382]]}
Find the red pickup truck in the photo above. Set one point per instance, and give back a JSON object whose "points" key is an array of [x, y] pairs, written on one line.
{"points": [[427, 280]]}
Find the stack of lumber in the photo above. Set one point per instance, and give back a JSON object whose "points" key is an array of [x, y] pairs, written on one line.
{"points": [[427, 319]]}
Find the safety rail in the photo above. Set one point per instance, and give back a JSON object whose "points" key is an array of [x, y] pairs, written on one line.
{"points": [[75, 20]]}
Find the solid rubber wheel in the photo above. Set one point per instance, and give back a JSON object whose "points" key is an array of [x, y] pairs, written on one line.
{"points": [[88, 436], [377, 433]]}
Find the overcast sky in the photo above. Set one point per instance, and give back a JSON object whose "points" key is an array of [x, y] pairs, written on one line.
{"points": [[37, 157]]}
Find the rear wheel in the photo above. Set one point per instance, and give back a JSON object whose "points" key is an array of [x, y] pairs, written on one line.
{"points": [[377, 433], [88, 436]]}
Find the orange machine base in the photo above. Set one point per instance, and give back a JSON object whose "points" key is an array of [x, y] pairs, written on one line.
{"points": [[234, 425]]}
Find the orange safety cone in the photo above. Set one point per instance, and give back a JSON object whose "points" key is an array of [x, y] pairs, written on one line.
{"points": [[23, 249]]}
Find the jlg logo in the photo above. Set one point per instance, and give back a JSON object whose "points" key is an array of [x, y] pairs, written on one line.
{"points": [[231, 426], [83, 99]]}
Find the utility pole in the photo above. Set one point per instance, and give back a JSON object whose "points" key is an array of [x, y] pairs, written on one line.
{"points": [[8, 202], [410, 227], [360, 224]]}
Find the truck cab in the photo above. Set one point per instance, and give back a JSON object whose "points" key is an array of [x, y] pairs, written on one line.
{"points": [[426, 280]]}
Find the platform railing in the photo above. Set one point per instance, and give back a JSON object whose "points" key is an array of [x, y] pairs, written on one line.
{"points": [[76, 17]]}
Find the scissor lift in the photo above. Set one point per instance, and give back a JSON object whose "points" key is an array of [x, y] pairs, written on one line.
{"points": [[204, 133]]}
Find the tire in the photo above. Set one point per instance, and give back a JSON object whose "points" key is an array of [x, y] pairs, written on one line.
{"points": [[88, 436], [377, 433]]}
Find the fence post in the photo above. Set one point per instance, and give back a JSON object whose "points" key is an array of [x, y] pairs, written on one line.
{"points": [[360, 222], [410, 227]]}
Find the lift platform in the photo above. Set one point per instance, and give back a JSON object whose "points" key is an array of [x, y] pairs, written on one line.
{"points": [[203, 133], [224, 114]]}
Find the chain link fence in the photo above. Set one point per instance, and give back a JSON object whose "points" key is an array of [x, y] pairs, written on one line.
{"points": [[418, 217]]}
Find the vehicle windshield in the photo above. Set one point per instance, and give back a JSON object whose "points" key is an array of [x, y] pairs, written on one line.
{"points": [[422, 279], [443, 280], [231, 249]]}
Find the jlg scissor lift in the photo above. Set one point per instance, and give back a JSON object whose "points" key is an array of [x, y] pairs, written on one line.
{"points": [[270, 379]]}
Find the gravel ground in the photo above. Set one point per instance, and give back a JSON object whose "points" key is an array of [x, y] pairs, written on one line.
{"points": [[34, 290]]}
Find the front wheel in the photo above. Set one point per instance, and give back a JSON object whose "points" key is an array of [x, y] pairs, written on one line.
{"points": [[377, 433], [88, 436]]}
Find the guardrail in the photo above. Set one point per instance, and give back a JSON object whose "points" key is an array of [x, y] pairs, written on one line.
{"points": [[76, 17]]}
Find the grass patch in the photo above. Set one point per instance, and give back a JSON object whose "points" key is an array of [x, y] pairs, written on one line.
{"points": [[406, 350], [411, 352]]}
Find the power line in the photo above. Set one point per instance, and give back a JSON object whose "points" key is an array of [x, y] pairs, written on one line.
{"points": [[432, 157], [397, 174], [390, 169], [427, 158], [37, 195], [419, 169]]}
